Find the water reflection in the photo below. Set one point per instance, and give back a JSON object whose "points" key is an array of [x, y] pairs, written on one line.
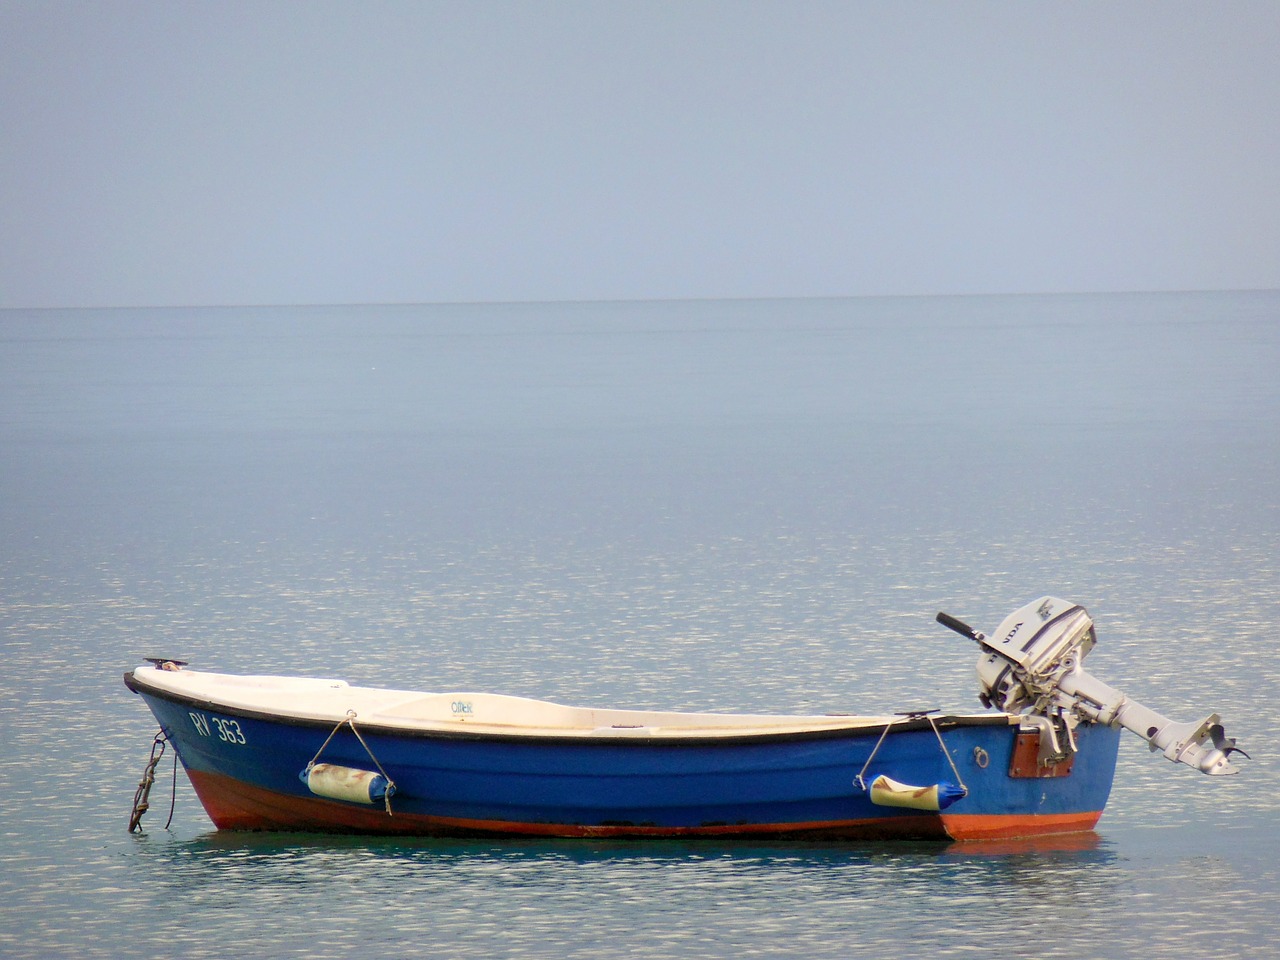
{"points": [[642, 898], [1088, 847]]}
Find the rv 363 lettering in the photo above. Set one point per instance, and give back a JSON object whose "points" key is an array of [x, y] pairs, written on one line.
{"points": [[228, 731]]}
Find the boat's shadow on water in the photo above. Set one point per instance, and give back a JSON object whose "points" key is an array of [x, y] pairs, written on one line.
{"points": [[1081, 849], [666, 880]]}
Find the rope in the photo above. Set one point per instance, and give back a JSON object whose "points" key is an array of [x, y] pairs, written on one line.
{"points": [[947, 753], [350, 721], [862, 784], [858, 779], [173, 789], [346, 719], [142, 796]]}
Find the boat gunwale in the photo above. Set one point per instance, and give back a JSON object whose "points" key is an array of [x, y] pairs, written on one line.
{"points": [[902, 723]]}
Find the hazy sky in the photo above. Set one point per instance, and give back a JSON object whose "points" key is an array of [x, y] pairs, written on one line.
{"points": [[266, 152]]}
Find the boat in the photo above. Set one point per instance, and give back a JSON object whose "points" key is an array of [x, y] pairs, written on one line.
{"points": [[319, 755]]}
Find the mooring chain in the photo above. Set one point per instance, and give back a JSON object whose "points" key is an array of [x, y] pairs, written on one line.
{"points": [[142, 796]]}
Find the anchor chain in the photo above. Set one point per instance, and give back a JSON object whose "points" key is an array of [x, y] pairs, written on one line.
{"points": [[142, 796]]}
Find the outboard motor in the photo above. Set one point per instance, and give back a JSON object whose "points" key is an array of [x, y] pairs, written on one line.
{"points": [[1033, 666]]}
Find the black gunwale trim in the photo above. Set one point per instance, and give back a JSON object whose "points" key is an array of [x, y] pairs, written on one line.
{"points": [[944, 722]]}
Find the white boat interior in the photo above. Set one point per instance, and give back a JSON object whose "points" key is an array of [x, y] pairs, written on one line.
{"points": [[331, 701]]}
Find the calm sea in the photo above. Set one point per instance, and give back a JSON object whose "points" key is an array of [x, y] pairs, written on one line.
{"points": [[697, 505]]}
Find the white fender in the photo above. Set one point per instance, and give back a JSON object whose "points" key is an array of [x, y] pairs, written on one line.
{"points": [[347, 783]]}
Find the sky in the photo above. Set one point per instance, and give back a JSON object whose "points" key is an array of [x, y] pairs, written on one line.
{"points": [[194, 153]]}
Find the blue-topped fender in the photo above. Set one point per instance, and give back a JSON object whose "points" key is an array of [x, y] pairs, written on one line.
{"points": [[887, 792], [347, 783]]}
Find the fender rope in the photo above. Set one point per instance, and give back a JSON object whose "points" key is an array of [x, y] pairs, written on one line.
{"points": [[947, 753], [858, 779], [350, 721], [862, 784]]}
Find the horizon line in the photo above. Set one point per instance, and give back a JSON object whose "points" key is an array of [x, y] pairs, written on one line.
{"points": [[617, 300]]}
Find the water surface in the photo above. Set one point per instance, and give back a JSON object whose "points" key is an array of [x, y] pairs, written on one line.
{"points": [[713, 505]]}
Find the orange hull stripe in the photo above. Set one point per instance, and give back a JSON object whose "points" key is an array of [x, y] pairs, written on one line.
{"points": [[962, 826], [233, 805]]}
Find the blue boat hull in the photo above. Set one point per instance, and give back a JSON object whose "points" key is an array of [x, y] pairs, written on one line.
{"points": [[245, 769]]}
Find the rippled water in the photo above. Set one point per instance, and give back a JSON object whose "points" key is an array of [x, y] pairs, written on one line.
{"points": [[754, 506]]}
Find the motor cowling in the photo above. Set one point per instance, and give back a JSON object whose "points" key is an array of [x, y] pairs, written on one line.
{"points": [[1023, 658]]}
